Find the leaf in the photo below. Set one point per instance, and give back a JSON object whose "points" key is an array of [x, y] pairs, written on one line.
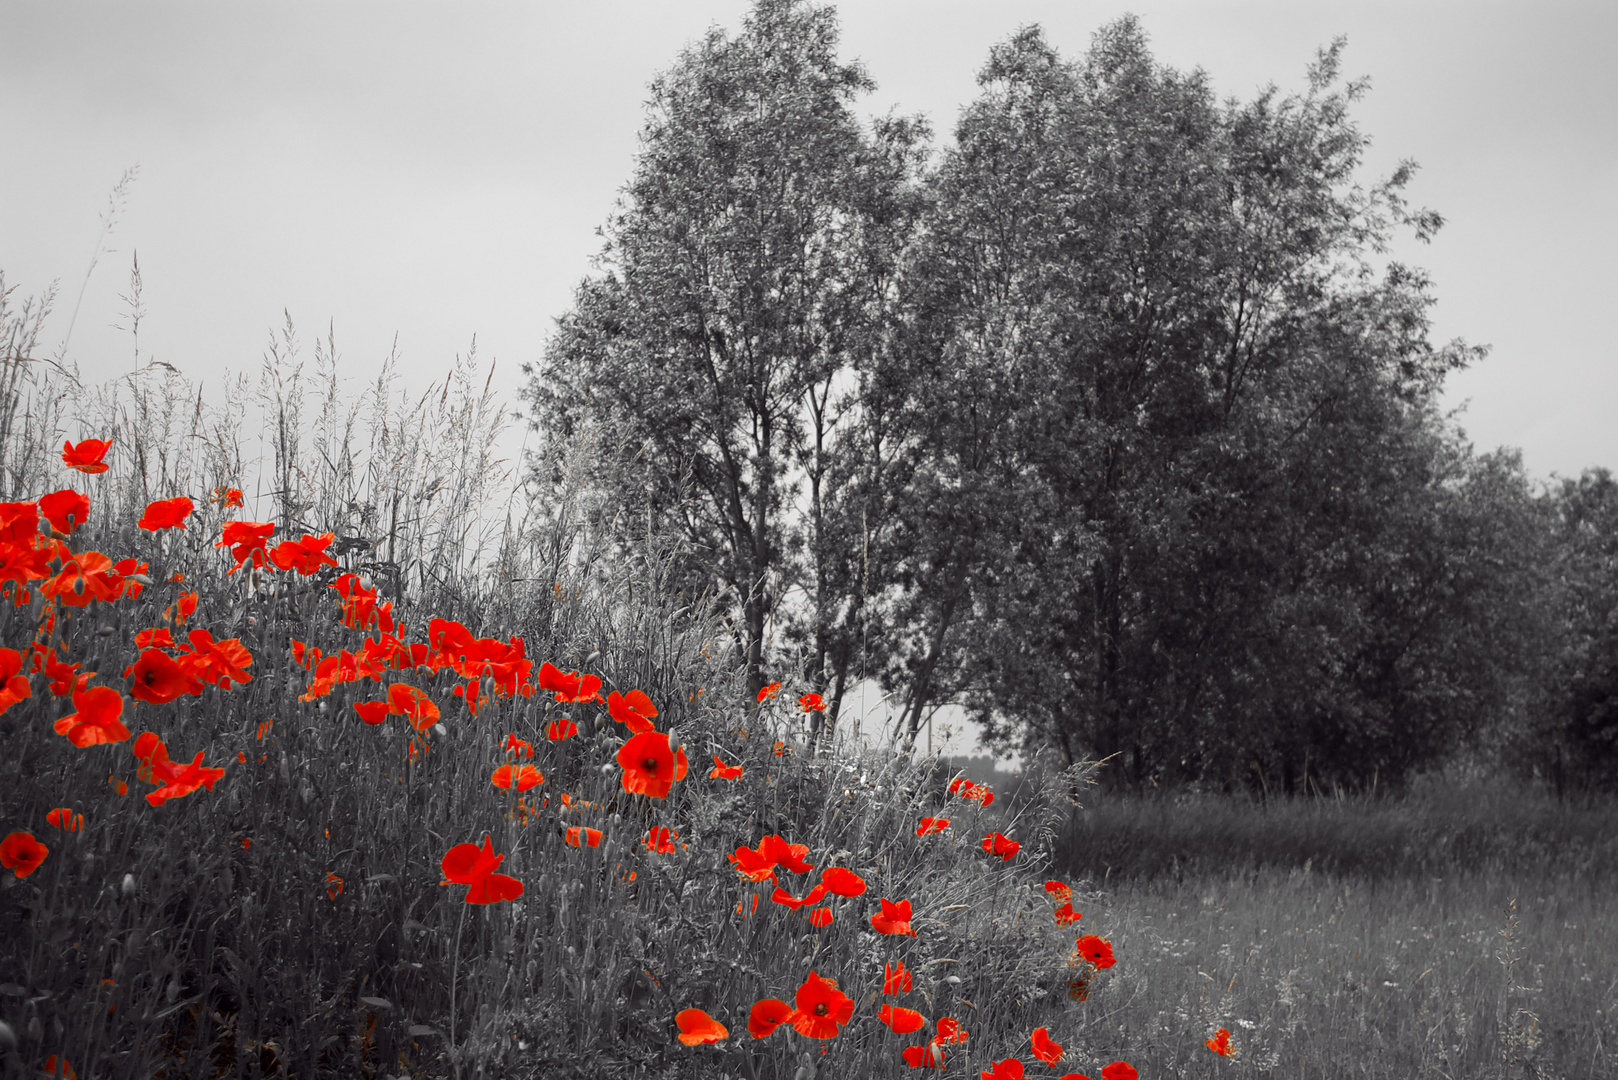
{"points": [[377, 1002]]}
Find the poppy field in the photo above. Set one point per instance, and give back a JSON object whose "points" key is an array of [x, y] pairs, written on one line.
{"points": [[277, 804]]}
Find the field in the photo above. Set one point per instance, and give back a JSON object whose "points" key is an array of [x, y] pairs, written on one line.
{"points": [[244, 859]]}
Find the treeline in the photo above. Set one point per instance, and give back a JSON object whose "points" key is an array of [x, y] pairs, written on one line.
{"points": [[1111, 421]]}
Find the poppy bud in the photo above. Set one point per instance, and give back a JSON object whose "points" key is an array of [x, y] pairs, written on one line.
{"points": [[35, 1030], [674, 744], [141, 578], [953, 980], [440, 730], [129, 885]]}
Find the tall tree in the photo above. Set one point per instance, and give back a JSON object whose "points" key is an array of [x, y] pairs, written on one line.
{"points": [[744, 263]]}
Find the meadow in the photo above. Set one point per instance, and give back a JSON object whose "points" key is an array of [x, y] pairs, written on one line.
{"points": [[324, 784]]}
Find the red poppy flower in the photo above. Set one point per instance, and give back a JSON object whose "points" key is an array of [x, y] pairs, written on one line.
{"points": [[246, 540], [897, 980], [659, 840], [21, 853], [216, 662], [334, 886], [842, 881], [13, 685], [66, 510], [518, 747], [926, 1056], [522, 777], [752, 865], [811, 703], [571, 687], [781, 853], [1005, 1069], [782, 749], [228, 497], [821, 917], [578, 836], [651, 765], [372, 712], [61, 675], [723, 771], [1065, 915], [86, 457], [1119, 1070], [96, 721], [766, 1016], [769, 692], [562, 728], [932, 825], [893, 918], [966, 789], [951, 1031], [822, 1009], [786, 899], [1058, 891], [697, 1027], [1005, 847], [634, 710], [66, 818], [1097, 951], [1046, 1049], [159, 638], [405, 700], [181, 780], [166, 514], [306, 556], [742, 903], [900, 1020], [1220, 1043], [468, 864], [66, 1072]]}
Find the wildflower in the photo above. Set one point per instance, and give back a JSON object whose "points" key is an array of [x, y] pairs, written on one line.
{"points": [[769, 692], [966, 789], [925, 1056], [842, 881], [228, 497], [177, 780], [821, 917], [996, 844], [1119, 1070], [897, 980], [571, 687], [96, 721], [64, 1071], [66, 819], [822, 1009], [165, 514], [740, 904], [723, 771], [950, 1030], [697, 1027], [1096, 951], [782, 749], [517, 747], [21, 853], [118, 785], [158, 638], [405, 700], [651, 765], [1220, 1043], [66, 510], [246, 540], [185, 606], [84, 578], [659, 840], [1045, 1048], [216, 662], [306, 556], [467, 864], [786, 899], [893, 918], [522, 777], [767, 1015], [334, 886], [264, 727], [86, 457], [1056, 890], [752, 865], [780, 852], [901, 1021], [634, 710], [1065, 915], [811, 703], [1005, 1069], [559, 729], [932, 825], [14, 686], [577, 835]]}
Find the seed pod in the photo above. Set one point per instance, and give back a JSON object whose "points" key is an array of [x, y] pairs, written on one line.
{"points": [[129, 885]]}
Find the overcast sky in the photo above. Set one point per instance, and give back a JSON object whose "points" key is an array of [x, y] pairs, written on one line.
{"points": [[438, 171]]}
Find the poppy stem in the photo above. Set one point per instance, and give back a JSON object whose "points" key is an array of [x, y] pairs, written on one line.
{"points": [[454, 969]]}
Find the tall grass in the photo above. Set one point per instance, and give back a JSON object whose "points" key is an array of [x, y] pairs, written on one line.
{"points": [[292, 921]]}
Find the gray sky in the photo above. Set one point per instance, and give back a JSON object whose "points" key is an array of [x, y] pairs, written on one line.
{"points": [[439, 170]]}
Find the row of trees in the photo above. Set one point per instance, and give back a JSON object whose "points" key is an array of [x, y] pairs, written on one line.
{"points": [[1111, 422]]}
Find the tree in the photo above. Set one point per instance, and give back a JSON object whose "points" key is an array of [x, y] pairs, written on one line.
{"points": [[746, 261]]}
